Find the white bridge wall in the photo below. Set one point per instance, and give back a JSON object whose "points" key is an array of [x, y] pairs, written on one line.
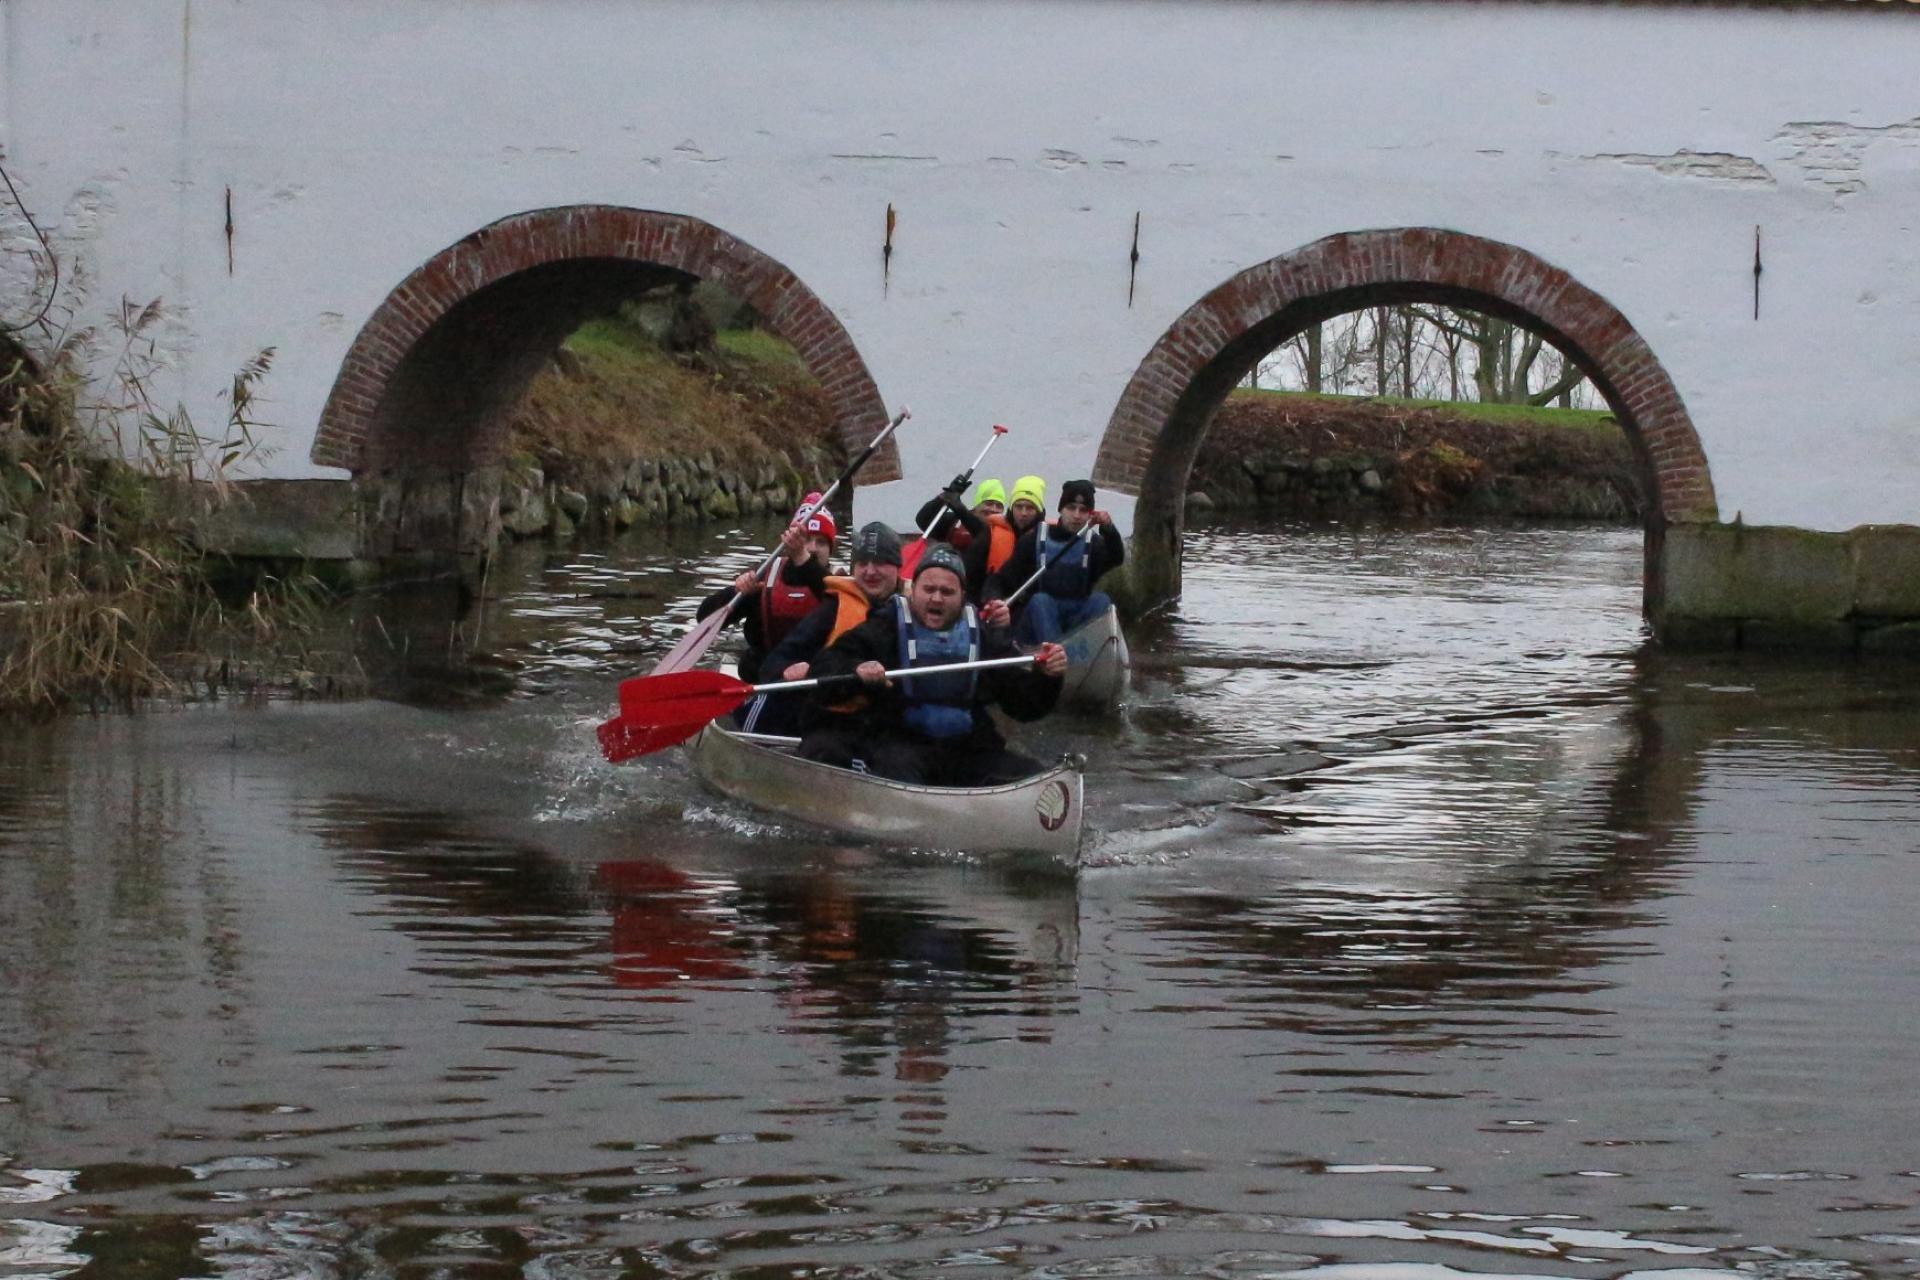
{"points": [[1636, 146]]}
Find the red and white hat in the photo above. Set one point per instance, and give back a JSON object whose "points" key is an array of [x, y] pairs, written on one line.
{"points": [[820, 522]]}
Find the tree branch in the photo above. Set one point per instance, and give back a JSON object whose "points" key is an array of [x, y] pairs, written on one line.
{"points": [[1566, 382]]}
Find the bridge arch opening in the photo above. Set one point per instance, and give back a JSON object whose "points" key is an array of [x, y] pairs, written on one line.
{"points": [[1157, 427], [420, 410]]}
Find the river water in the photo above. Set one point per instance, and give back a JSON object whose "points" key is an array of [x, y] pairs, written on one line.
{"points": [[1435, 930]]}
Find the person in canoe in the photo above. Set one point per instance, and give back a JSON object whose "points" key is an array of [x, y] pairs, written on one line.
{"points": [[934, 730], [875, 578], [1027, 506], [1070, 566], [978, 529], [768, 610]]}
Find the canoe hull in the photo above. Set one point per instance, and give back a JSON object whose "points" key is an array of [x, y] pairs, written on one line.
{"points": [[1097, 664], [1039, 818]]}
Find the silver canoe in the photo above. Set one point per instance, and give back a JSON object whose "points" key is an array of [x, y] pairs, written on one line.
{"points": [[1097, 664], [1040, 817]]}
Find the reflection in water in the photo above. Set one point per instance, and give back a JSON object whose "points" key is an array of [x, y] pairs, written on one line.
{"points": [[1438, 932]]}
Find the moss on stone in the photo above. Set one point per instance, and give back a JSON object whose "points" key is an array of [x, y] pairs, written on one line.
{"points": [[1738, 571]]}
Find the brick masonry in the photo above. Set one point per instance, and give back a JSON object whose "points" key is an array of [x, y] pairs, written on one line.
{"points": [[355, 434], [1354, 269]]}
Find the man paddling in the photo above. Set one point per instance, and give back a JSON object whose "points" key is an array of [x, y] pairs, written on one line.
{"points": [[768, 610], [934, 729], [847, 602], [979, 531], [1070, 567]]}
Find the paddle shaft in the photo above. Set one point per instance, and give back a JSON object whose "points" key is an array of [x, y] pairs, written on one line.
{"points": [[773, 557], [658, 711], [972, 467], [695, 642], [1028, 584], [781, 686]]}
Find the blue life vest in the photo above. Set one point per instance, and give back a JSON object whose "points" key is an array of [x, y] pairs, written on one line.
{"points": [[938, 706], [1069, 574]]}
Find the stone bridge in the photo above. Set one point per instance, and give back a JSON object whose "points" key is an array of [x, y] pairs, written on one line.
{"points": [[1082, 218]]}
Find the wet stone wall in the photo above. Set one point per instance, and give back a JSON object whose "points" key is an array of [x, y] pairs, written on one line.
{"points": [[656, 491]]}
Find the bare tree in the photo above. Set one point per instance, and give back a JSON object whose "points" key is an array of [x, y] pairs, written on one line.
{"points": [[1505, 356]]}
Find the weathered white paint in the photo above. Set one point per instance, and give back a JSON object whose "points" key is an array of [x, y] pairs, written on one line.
{"points": [[1635, 146]]}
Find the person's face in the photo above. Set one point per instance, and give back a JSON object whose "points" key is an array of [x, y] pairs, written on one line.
{"points": [[819, 547], [989, 508], [877, 580], [1023, 513], [1074, 516], [936, 598]]}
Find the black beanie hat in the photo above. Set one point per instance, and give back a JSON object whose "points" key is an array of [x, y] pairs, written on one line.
{"points": [[1076, 491], [941, 556], [877, 542]]}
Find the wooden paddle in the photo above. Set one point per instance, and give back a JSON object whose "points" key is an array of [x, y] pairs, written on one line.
{"points": [[696, 642], [910, 555], [659, 710]]}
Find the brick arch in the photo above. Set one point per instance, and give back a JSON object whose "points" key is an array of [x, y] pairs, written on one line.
{"points": [[502, 298], [1156, 428]]}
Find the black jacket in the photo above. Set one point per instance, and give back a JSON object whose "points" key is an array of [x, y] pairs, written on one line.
{"points": [[979, 537], [1108, 552], [1023, 693]]}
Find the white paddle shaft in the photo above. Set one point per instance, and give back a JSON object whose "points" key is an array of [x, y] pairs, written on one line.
{"points": [[942, 669]]}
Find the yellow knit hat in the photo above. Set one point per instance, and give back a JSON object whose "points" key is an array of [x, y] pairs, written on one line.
{"points": [[1033, 489], [989, 491]]}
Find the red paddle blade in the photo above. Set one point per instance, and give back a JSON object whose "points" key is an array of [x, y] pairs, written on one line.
{"points": [[910, 556], [693, 645], [623, 739], [681, 697]]}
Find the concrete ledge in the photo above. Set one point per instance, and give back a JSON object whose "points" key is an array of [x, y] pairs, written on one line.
{"points": [[1738, 586], [1886, 570], [1736, 571]]}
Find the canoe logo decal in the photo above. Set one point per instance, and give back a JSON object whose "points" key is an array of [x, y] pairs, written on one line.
{"points": [[1052, 806]]}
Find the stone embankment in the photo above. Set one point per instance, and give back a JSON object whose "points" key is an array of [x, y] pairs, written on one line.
{"points": [[619, 431], [1320, 457], [606, 495]]}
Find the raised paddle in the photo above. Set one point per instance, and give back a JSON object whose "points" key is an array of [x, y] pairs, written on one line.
{"points": [[910, 555], [658, 711], [695, 643]]}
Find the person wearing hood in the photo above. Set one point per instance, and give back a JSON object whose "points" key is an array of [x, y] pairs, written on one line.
{"points": [[934, 730], [874, 578], [1069, 563], [767, 609]]}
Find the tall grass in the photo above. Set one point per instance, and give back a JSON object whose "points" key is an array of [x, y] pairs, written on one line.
{"points": [[103, 586]]}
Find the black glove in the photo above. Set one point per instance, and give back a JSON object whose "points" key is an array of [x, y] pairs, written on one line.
{"points": [[959, 483]]}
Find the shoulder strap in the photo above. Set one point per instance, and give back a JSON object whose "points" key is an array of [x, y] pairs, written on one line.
{"points": [[903, 628]]}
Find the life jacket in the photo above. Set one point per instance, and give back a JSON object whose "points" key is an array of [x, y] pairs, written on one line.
{"points": [[851, 609], [939, 707], [1002, 538], [782, 606], [852, 604], [1068, 573]]}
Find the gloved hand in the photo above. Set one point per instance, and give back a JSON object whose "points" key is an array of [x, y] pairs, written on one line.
{"points": [[959, 483]]}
